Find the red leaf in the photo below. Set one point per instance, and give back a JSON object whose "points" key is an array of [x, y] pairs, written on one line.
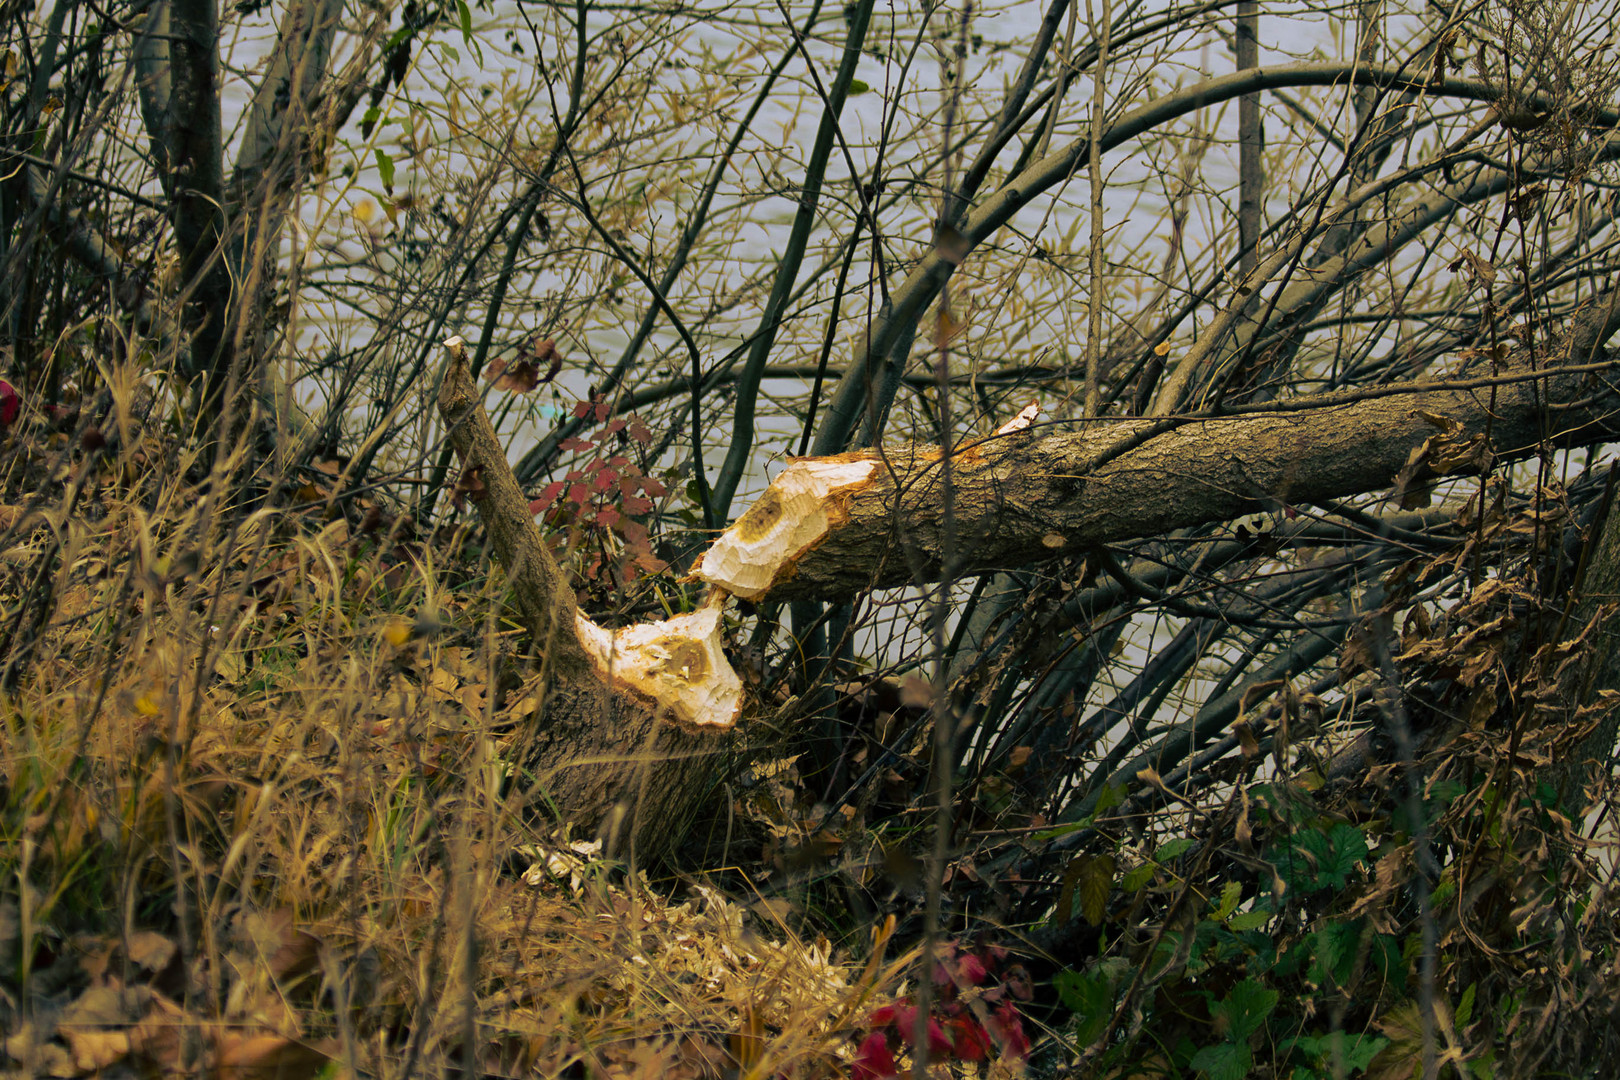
{"points": [[602, 410], [1018, 982], [639, 432], [652, 488], [635, 505], [969, 1040], [1008, 1029], [902, 1015], [582, 410], [971, 970], [10, 404], [607, 516], [616, 425], [573, 445], [547, 496], [579, 494], [605, 480], [874, 1060]]}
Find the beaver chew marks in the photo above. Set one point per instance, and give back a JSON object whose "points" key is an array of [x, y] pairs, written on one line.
{"points": [[797, 511], [677, 664]]}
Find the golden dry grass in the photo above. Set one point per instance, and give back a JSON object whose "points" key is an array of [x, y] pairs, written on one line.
{"points": [[255, 819]]}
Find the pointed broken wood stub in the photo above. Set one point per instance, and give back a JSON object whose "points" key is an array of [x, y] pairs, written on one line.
{"points": [[678, 665], [799, 509]]}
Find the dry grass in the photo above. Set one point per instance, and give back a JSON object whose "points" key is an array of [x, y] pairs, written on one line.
{"points": [[255, 818]]}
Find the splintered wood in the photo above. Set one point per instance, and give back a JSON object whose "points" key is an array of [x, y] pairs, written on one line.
{"points": [[677, 665], [795, 514]]}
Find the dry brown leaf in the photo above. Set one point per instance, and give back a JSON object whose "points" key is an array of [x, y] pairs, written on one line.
{"points": [[93, 1049], [265, 1057]]}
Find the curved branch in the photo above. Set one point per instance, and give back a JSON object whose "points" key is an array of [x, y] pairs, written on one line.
{"points": [[924, 282]]}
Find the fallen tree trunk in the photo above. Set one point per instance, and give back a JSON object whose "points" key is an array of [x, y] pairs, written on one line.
{"points": [[637, 721], [830, 527]]}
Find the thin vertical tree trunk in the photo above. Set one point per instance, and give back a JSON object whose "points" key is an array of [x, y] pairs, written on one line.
{"points": [[1251, 143], [194, 144]]}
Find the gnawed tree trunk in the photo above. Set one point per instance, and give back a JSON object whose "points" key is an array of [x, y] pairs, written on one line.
{"points": [[829, 527], [634, 724], [637, 720]]}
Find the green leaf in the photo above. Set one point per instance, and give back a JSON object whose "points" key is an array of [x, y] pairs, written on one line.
{"points": [[1336, 1053], [1112, 796], [1090, 998], [385, 169], [1231, 896], [1306, 1044], [1385, 955], [1359, 1054], [1173, 848], [1347, 848], [1313, 860], [1249, 920], [1224, 1061], [1094, 880], [1333, 951], [1444, 791], [1138, 876], [1465, 1007], [1484, 1066], [464, 20], [1244, 1009], [856, 86], [1045, 834]]}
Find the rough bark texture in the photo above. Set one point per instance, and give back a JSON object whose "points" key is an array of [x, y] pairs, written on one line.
{"points": [[1019, 499], [1599, 597], [605, 759], [600, 759], [194, 147]]}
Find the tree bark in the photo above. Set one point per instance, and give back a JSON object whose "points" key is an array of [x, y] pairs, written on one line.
{"points": [[227, 230], [194, 151], [602, 753], [632, 731], [1019, 499]]}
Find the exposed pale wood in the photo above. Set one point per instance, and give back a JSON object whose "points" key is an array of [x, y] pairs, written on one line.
{"points": [[678, 666], [615, 762]]}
